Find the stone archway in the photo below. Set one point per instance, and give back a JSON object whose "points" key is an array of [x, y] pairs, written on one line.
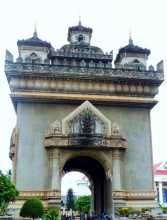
{"points": [[86, 137], [97, 174]]}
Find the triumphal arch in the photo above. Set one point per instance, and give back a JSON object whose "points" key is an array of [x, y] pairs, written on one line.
{"points": [[76, 110]]}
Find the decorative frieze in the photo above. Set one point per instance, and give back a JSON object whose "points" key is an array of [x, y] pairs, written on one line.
{"points": [[68, 141], [133, 195], [44, 195], [20, 84]]}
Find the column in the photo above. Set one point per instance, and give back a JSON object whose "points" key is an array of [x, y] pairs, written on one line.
{"points": [[160, 192], [56, 179], [108, 195], [116, 174], [54, 198], [92, 209]]}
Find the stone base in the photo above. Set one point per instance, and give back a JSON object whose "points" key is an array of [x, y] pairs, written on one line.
{"points": [[135, 204], [142, 204], [134, 199]]}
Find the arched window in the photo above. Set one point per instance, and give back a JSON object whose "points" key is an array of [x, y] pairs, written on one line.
{"points": [[33, 58], [81, 38]]}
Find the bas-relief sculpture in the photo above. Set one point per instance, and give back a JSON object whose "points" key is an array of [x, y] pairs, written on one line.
{"points": [[75, 111]]}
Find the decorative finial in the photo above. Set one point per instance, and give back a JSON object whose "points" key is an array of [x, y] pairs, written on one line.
{"points": [[79, 23], [35, 35], [130, 37]]}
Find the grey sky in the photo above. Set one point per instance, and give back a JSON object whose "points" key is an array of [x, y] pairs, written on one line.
{"points": [[111, 21]]}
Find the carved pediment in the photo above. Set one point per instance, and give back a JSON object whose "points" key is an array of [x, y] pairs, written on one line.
{"points": [[86, 119], [85, 126]]}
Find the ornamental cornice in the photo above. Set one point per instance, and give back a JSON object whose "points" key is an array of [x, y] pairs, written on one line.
{"points": [[100, 73], [81, 85], [54, 97], [68, 141]]}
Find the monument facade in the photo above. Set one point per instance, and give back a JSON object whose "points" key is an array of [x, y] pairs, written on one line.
{"points": [[77, 111]]}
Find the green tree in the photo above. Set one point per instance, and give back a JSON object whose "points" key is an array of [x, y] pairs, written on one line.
{"points": [[125, 212], [70, 202], [51, 214], [82, 204], [32, 208], [8, 192]]}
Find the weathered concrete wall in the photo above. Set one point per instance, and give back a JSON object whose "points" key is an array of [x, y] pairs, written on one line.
{"points": [[135, 127], [33, 120]]}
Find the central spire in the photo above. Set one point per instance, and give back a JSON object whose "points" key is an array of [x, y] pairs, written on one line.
{"points": [[130, 38], [79, 23], [35, 34]]}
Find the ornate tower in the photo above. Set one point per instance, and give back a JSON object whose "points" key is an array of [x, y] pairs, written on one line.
{"points": [[132, 56], [79, 35], [77, 112]]}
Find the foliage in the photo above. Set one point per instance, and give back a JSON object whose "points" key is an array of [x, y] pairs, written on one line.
{"points": [[83, 204], [164, 209], [8, 192], [70, 203], [51, 214], [124, 211], [144, 210], [32, 208]]}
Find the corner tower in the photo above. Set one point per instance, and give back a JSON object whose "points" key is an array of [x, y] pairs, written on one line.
{"points": [[132, 56], [33, 50], [75, 111]]}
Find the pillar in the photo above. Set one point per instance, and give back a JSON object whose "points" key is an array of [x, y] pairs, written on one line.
{"points": [[116, 170], [160, 192], [92, 209], [56, 182], [55, 185], [108, 194]]}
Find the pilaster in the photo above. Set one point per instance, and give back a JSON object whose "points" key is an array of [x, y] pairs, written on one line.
{"points": [[55, 184], [160, 193], [116, 166]]}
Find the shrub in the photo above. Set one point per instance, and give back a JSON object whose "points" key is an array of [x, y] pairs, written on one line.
{"points": [[51, 214], [144, 210], [32, 208], [164, 209], [124, 211]]}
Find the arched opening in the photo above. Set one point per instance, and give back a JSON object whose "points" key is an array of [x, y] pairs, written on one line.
{"points": [[76, 180], [80, 183], [96, 174]]}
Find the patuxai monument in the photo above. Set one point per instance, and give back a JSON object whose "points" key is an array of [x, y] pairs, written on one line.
{"points": [[80, 110]]}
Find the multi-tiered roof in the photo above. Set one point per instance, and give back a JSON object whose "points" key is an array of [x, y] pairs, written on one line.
{"points": [[80, 68]]}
